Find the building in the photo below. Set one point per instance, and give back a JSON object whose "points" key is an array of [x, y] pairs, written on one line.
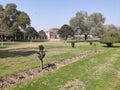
{"points": [[52, 34]]}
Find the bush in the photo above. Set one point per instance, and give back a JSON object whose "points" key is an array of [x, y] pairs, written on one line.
{"points": [[72, 43], [110, 38], [41, 47], [91, 42]]}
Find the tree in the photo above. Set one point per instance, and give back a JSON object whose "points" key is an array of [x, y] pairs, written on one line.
{"points": [[81, 23], [23, 19], [14, 33], [11, 20], [78, 23], [3, 23], [42, 35], [65, 31], [118, 28], [110, 38], [1, 8], [110, 28], [97, 20], [41, 54], [30, 33]]}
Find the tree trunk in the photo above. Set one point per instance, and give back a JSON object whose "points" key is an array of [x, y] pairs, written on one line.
{"points": [[15, 38], [1, 40], [109, 44], [28, 38], [24, 36], [42, 64], [85, 37]]}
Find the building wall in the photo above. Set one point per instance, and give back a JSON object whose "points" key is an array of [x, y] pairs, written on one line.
{"points": [[52, 34]]}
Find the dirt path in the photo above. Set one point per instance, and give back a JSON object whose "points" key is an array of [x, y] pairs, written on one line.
{"points": [[29, 74]]}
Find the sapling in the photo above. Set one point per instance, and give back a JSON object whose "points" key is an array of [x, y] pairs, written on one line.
{"points": [[41, 54]]}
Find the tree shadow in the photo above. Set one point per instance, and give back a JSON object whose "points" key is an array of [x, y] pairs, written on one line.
{"points": [[16, 53], [112, 46], [49, 66]]}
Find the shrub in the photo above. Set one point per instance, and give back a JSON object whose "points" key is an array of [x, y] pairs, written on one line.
{"points": [[41, 47], [91, 42], [110, 38], [72, 43]]}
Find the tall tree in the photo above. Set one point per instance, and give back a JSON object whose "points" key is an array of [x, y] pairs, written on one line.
{"points": [[65, 31], [16, 17], [42, 35], [98, 20], [3, 23], [81, 23], [30, 33], [119, 29], [23, 19], [14, 33], [12, 19], [110, 28], [1, 8]]}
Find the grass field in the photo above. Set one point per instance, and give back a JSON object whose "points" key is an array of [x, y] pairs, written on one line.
{"points": [[20, 56], [99, 72]]}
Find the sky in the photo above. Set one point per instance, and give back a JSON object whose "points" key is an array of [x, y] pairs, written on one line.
{"points": [[47, 14]]}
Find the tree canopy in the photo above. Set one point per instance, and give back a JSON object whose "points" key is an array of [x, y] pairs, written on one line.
{"points": [[83, 23], [42, 35], [110, 38], [78, 23], [98, 20], [65, 31], [30, 33], [12, 20]]}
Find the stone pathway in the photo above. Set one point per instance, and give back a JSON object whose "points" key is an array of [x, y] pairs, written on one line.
{"points": [[11, 80]]}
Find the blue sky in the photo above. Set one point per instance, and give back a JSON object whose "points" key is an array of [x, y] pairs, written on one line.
{"points": [[46, 14]]}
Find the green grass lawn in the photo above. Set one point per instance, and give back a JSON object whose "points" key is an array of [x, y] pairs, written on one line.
{"points": [[20, 56], [99, 72]]}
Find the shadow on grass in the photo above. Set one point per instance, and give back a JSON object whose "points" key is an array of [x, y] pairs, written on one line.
{"points": [[2, 47], [16, 53], [112, 46]]}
